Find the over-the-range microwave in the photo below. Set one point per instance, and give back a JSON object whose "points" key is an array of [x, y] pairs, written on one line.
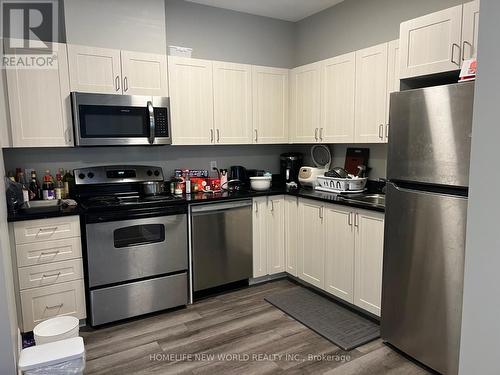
{"points": [[120, 120]]}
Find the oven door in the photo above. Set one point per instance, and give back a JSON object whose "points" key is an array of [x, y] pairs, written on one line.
{"points": [[119, 251], [120, 120]]}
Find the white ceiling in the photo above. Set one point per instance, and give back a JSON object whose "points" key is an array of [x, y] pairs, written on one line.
{"points": [[288, 10]]}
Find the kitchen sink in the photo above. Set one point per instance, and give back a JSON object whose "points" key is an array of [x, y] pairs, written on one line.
{"points": [[371, 199]]}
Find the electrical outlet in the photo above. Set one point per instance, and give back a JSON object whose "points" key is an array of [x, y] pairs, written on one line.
{"points": [[213, 165]]}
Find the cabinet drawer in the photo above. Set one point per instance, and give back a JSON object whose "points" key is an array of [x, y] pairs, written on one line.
{"points": [[46, 229], [46, 302], [50, 274], [31, 254]]}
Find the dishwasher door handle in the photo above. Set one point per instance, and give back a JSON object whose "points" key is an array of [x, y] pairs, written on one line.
{"points": [[216, 207]]}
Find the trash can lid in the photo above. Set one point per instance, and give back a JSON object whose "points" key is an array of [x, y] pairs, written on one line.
{"points": [[51, 353]]}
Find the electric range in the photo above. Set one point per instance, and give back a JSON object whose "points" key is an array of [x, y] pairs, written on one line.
{"points": [[135, 245]]}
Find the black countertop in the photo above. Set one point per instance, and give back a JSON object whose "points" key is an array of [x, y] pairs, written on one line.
{"points": [[197, 198]]}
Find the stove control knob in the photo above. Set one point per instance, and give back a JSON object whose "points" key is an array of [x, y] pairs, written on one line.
{"points": [[149, 172], [157, 173], [90, 175], [81, 176]]}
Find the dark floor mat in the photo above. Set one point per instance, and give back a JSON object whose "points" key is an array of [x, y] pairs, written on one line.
{"points": [[343, 327]]}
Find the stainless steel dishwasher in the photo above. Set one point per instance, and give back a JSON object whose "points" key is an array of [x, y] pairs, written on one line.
{"points": [[221, 243]]}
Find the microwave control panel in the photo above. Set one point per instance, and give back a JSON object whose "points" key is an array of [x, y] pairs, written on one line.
{"points": [[161, 122]]}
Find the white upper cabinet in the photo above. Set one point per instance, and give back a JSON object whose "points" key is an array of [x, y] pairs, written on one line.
{"points": [[311, 243], [39, 103], [368, 258], [232, 85], [144, 73], [339, 252], [337, 99], [470, 27], [270, 104], [191, 100], [393, 82], [371, 94], [431, 44], [305, 91], [96, 70]]}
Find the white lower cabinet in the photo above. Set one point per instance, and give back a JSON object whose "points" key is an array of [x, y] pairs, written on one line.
{"points": [[311, 243], [291, 234], [268, 235], [340, 250], [49, 269], [368, 257]]}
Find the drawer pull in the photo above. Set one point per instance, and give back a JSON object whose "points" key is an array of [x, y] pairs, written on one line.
{"points": [[47, 230], [51, 275], [54, 307], [55, 252]]}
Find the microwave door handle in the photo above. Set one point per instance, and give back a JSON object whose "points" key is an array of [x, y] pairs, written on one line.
{"points": [[151, 123]]}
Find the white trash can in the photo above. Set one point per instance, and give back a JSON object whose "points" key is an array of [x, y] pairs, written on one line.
{"points": [[64, 357], [55, 329]]}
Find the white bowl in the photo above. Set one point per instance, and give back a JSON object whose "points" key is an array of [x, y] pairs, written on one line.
{"points": [[260, 183], [55, 329]]}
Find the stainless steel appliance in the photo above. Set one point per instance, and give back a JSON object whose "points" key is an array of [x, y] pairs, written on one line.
{"points": [[426, 209], [290, 163], [221, 243], [136, 245], [120, 120]]}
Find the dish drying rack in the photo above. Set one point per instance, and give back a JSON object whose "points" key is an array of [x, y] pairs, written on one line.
{"points": [[341, 185]]}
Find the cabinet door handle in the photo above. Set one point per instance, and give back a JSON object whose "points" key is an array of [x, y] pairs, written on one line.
{"points": [[256, 207], [453, 54], [125, 84], [54, 306], [272, 206], [321, 212], [47, 230], [463, 49], [356, 219], [387, 131], [320, 134], [55, 252], [381, 131], [117, 83], [349, 222], [218, 135], [256, 135], [51, 275], [316, 134], [211, 135]]}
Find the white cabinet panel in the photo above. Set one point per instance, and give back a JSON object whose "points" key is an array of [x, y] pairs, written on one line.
{"points": [[39, 304], [393, 82], [191, 100], [259, 237], [369, 249], [232, 103], [34, 253], [305, 91], [337, 98], [39, 103], [291, 234], [431, 44], [95, 70], [371, 94], [276, 235], [49, 274], [311, 244], [144, 73], [270, 104], [339, 252], [470, 27], [46, 229]]}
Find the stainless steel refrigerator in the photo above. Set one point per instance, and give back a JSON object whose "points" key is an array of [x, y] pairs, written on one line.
{"points": [[428, 173]]}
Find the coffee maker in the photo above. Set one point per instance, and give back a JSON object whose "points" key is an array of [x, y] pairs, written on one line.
{"points": [[290, 163]]}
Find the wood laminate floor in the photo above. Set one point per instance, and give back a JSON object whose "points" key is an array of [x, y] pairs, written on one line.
{"points": [[235, 333]]}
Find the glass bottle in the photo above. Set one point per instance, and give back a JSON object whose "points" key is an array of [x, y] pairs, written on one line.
{"points": [[48, 186]]}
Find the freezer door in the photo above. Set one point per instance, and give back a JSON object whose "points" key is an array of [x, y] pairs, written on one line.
{"points": [[423, 275], [430, 135]]}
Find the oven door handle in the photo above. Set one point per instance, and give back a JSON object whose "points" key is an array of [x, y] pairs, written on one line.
{"points": [[152, 126]]}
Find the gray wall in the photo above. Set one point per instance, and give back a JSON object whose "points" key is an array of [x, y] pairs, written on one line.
{"points": [[122, 24], [167, 157], [220, 34], [480, 343], [356, 24], [8, 315]]}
